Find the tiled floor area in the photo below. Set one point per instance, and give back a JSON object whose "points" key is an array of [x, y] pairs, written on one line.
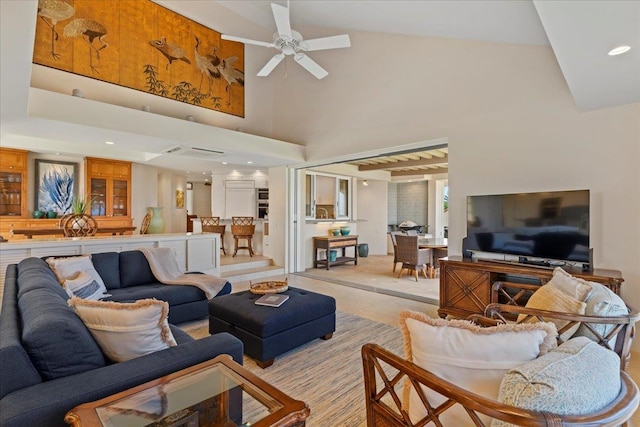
{"points": [[380, 306]]}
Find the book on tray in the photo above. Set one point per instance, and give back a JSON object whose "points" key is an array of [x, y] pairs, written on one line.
{"points": [[272, 300]]}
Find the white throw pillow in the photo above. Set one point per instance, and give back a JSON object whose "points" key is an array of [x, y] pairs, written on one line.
{"points": [[577, 378], [602, 302], [83, 286], [573, 286], [69, 268], [126, 330], [467, 355]]}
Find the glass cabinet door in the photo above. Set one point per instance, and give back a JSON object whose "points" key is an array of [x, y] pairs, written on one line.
{"points": [[11, 194], [98, 193], [120, 197]]}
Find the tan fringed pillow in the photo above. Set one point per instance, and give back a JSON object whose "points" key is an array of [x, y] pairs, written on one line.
{"points": [[470, 356], [551, 298], [125, 331], [575, 287]]}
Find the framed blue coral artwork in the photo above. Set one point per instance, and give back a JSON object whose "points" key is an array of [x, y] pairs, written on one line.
{"points": [[56, 185]]}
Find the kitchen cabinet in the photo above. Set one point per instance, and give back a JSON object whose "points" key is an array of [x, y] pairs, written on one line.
{"points": [[13, 183], [109, 185]]}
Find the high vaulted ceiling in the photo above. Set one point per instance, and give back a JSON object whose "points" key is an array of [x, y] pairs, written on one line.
{"points": [[581, 32]]}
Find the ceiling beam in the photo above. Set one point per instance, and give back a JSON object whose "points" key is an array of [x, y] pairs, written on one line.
{"points": [[405, 164], [420, 172]]}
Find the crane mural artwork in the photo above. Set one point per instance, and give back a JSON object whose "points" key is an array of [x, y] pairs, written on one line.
{"points": [[89, 30], [52, 11], [170, 58]]}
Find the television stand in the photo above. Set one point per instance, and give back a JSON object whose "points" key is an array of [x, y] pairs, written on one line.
{"points": [[466, 285]]}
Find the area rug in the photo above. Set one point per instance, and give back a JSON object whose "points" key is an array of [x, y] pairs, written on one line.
{"points": [[327, 375]]}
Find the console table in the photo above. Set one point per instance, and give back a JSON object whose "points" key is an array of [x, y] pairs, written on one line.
{"points": [[334, 242], [466, 285]]}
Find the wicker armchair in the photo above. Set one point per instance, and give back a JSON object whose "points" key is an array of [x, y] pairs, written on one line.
{"points": [[411, 256], [509, 299], [242, 228], [384, 373], [211, 224]]}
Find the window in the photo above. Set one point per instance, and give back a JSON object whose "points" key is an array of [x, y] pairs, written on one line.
{"points": [[327, 196]]}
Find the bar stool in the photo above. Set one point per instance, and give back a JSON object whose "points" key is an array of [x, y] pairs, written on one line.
{"points": [[242, 227], [211, 224]]}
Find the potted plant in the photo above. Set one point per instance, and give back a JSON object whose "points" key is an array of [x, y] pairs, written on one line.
{"points": [[79, 205]]}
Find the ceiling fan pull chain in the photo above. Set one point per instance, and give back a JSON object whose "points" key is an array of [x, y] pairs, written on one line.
{"points": [[285, 67]]}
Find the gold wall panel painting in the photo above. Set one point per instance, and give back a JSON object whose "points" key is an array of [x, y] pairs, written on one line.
{"points": [[141, 45]]}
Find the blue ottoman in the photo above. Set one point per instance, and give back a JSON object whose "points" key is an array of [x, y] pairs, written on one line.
{"points": [[270, 331]]}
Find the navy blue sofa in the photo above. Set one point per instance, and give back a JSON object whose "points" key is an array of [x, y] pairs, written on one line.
{"points": [[49, 362], [128, 277]]}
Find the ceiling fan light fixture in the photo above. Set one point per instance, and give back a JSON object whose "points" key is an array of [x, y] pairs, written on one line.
{"points": [[619, 50]]}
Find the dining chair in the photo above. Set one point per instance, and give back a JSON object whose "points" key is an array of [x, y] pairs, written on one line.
{"points": [[393, 235], [144, 226], [242, 228], [211, 224], [411, 256]]}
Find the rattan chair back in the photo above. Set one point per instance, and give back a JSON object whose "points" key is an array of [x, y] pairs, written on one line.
{"points": [[144, 227]]}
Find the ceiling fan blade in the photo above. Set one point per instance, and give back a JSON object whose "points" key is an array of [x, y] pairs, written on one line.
{"points": [[310, 65], [281, 15], [332, 42], [273, 62], [247, 41]]}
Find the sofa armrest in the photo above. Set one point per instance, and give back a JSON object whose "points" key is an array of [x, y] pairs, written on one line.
{"points": [[47, 403]]}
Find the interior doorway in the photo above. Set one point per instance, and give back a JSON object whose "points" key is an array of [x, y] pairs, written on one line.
{"points": [[421, 162]]}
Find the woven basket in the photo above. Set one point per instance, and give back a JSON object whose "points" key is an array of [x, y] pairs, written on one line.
{"points": [[268, 287]]}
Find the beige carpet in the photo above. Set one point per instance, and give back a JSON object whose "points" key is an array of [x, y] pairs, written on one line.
{"points": [[327, 375]]}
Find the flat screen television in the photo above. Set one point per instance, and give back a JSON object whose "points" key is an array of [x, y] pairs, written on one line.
{"points": [[549, 226]]}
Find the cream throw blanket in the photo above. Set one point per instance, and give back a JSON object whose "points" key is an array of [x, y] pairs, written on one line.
{"points": [[164, 266]]}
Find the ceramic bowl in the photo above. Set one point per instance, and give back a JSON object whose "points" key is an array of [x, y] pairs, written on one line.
{"points": [[345, 231], [336, 232], [38, 214]]}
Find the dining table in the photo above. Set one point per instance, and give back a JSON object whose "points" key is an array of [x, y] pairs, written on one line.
{"points": [[439, 247]]}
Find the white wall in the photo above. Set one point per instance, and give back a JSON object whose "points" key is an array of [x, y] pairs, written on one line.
{"points": [[371, 206], [507, 113]]}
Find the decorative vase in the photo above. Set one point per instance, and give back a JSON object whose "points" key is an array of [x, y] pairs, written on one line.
{"points": [[333, 255], [157, 224], [38, 214], [345, 231], [52, 214]]}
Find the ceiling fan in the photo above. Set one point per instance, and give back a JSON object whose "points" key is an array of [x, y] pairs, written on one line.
{"points": [[290, 42]]}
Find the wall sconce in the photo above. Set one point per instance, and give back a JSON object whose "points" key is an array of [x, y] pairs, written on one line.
{"points": [[77, 93], [365, 182]]}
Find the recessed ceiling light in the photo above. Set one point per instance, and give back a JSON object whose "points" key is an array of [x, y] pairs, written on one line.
{"points": [[109, 142], [204, 173], [619, 50], [224, 163], [249, 162]]}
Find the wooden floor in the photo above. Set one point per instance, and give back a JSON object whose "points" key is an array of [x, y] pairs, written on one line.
{"points": [[379, 306]]}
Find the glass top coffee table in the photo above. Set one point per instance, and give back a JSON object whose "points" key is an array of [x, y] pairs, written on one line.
{"points": [[216, 393]]}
